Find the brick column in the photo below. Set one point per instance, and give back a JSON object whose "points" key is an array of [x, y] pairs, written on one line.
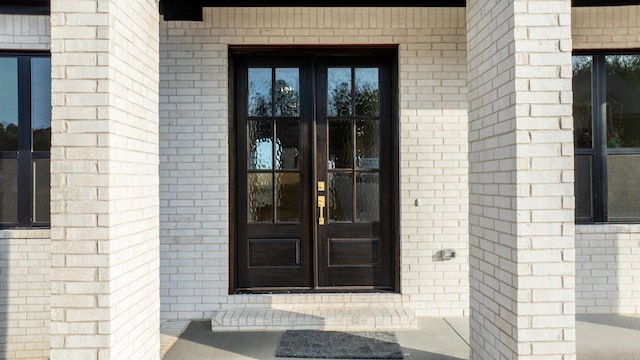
{"points": [[104, 163], [522, 270]]}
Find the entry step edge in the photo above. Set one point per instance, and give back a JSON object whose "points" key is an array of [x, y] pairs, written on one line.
{"points": [[316, 319]]}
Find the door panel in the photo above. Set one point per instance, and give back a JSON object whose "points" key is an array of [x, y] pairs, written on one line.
{"points": [[273, 246], [355, 248], [314, 193]]}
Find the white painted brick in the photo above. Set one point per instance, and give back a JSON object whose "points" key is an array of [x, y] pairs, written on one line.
{"points": [[517, 97]]}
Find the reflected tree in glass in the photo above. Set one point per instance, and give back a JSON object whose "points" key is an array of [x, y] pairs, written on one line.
{"points": [[260, 92], [366, 94], [287, 93], [582, 109], [339, 91], [9, 104], [623, 109]]}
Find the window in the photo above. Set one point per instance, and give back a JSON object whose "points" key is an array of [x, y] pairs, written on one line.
{"points": [[606, 113], [25, 139]]}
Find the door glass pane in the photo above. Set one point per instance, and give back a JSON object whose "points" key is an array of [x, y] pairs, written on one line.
{"points": [[583, 175], [340, 144], [583, 129], [623, 107], [287, 143], [8, 191], [367, 91], [339, 92], [340, 197], [623, 172], [288, 196], [368, 144], [41, 103], [260, 92], [260, 197], [41, 186], [367, 197], [8, 104], [260, 134], [287, 95]]}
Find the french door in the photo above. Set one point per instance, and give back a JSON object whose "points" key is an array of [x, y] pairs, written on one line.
{"points": [[315, 171]]}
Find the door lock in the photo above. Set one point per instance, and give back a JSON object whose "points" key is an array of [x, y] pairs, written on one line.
{"points": [[321, 205]]}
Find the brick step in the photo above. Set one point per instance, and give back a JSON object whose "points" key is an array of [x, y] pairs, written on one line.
{"points": [[316, 319]]}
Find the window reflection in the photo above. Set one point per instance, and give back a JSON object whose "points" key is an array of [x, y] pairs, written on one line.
{"points": [[287, 92], [41, 103], [339, 91], [582, 113], [9, 104], [623, 107], [367, 102], [260, 92]]}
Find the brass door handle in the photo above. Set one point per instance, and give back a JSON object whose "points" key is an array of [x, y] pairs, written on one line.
{"points": [[321, 205]]}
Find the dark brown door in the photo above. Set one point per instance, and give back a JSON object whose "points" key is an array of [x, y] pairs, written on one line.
{"points": [[315, 169]]}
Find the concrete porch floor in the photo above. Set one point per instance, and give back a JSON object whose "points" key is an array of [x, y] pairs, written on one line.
{"points": [[599, 337]]}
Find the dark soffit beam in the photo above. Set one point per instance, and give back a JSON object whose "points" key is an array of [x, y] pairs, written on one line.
{"points": [[192, 9], [27, 7]]}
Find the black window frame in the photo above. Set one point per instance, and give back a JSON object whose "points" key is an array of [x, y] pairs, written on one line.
{"points": [[599, 151], [25, 155]]}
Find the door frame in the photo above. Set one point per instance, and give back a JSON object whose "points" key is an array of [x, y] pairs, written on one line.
{"points": [[388, 51]]}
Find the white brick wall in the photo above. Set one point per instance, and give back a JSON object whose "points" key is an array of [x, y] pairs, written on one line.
{"points": [[21, 32], [614, 27], [134, 184], [521, 179], [25, 291], [105, 231], [608, 269], [194, 150]]}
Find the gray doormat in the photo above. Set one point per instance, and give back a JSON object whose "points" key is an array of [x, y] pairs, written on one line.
{"points": [[313, 344]]}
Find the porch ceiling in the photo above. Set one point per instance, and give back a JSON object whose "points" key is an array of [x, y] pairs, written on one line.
{"points": [[192, 9]]}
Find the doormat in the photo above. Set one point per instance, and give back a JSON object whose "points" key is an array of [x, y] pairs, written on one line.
{"points": [[313, 344]]}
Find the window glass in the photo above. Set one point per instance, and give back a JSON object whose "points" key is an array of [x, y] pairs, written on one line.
{"points": [[260, 144], [41, 103], [340, 144], [623, 107], [606, 114], [339, 92], [260, 103], [368, 197], [367, 102], [8, 191], [340, 196], [9, 104], [25, 140], [623, 174], [287, 92], [260, 197], [288, 197], [41, 190], [582, 111], [287, 143], [583, 187], [368, 144]]}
